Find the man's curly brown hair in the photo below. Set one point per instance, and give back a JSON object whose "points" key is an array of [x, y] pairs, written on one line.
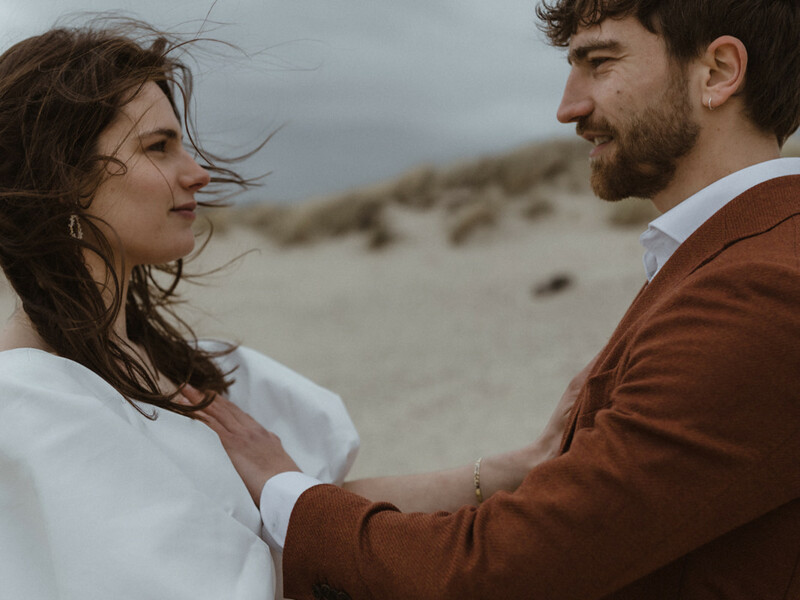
{"points": [[767, 28]]}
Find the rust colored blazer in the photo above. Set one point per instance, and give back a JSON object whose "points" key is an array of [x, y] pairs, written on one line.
{"points": [[680, 473]]}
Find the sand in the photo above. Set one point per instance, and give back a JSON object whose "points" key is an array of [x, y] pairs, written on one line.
{"points": [[440, 353]]}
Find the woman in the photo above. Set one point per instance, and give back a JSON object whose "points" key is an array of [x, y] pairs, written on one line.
{"points": [[111, 485], [100, 498]]}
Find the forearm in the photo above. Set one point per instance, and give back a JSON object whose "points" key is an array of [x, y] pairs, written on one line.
{"points": [[450, 489]]}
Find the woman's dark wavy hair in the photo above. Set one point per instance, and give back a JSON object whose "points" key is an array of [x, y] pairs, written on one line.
{"points": [[58, 92], [768, 29]]}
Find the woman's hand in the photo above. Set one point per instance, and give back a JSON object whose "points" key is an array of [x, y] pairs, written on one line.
{"points": [[256, 453]]}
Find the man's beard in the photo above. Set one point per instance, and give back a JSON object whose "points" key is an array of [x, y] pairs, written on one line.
{"points": [[647, 145]]}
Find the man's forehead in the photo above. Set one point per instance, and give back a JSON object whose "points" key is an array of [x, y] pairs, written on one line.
{"points": [[598, 31], [595, 37], [609, 34]]}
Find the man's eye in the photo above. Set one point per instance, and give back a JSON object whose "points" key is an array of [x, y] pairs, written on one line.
{"points": [[598, 61]]}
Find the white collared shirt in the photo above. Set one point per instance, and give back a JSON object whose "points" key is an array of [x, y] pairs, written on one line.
{"points": [[670, 230], [663, 236]]}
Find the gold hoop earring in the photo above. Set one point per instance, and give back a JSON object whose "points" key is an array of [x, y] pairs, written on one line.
{"points": [[75, 230]]}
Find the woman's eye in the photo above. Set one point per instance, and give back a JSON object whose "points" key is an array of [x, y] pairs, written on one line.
{"points": [[160, 146]]}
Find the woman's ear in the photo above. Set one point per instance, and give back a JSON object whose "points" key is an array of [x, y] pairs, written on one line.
{"points": [[724, 65]]}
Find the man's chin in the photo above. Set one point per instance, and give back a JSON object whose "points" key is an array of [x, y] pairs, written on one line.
{"points": [[606, 189], [614, 183]]}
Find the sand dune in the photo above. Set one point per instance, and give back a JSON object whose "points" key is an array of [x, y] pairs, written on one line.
{"points": [[440, 347], [441, 353]]}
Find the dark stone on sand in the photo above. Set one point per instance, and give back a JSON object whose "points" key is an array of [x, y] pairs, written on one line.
{"points": [[554, 284]]}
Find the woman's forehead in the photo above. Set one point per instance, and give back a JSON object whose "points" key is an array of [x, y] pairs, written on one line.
{"points": [[148, 111]]}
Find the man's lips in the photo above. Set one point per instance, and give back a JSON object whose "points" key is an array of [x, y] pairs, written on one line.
{"points": [[600, 134], [600, 144], [599, 140]]}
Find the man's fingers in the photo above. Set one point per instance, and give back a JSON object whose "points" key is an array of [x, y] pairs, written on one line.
{"points": [[215, 419], [224, 411], [222, 415], [229, 413], [192, 394], [256, 453], [231, 423]]}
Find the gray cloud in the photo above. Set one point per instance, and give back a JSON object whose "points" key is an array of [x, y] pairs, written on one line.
{"points": [[364, 88]]}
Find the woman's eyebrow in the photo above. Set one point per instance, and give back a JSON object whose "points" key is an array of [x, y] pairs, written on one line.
{"points": [[580, 53], [167, 132]]}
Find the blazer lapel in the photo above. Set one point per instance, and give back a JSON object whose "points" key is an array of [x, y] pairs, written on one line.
{"points": [[755, 211]]}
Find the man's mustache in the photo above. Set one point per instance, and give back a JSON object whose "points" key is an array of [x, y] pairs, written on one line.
{"points": [[595, 126]]}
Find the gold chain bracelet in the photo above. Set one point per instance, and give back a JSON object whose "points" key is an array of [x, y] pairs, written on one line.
{"points": [[476, 475]]}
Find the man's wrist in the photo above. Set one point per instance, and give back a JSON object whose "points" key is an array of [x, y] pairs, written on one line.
{"points": [[278, 497]]}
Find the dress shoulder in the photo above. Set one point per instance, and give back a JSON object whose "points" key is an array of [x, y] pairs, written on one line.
{"points": [[311, 421]]}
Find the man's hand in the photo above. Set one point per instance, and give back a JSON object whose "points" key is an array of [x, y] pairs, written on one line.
{"points": [[554, 430], [256, 453]]}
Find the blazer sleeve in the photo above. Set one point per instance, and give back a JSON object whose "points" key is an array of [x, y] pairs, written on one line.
{"points": [[697, 433]]}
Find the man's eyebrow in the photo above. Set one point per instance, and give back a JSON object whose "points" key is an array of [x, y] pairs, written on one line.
{"points": [[579, 53]]}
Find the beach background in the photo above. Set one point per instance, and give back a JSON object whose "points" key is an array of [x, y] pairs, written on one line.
{"points": [[449, 307], [426, 245]]}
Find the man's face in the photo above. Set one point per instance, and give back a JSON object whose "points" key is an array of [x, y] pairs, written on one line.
{"points": [[632, 103]]}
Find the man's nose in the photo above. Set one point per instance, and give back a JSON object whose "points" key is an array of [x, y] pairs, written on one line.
{"points": [[576, 103]]}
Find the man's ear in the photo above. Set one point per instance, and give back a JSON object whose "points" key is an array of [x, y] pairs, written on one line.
{"points": [[724, 65]]}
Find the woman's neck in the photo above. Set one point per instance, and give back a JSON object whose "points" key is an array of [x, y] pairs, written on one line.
{"points": [[99, 271], [19, 332]]}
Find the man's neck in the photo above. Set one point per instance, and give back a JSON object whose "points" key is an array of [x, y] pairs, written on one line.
{"points": [[714, 157]]}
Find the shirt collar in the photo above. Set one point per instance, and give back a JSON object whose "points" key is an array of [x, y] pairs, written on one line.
{"points": [[670, 230]]}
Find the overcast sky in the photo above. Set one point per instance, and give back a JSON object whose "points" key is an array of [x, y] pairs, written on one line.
{"points": [[363, 89]]}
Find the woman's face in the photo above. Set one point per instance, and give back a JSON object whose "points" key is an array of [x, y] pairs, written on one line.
{"points": [[150, 204]]}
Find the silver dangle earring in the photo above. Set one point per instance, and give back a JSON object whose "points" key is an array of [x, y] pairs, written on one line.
{"points": [[75, 230], [709, 105]]}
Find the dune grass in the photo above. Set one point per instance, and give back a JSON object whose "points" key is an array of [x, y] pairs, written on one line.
{"points": [[469, 196]]}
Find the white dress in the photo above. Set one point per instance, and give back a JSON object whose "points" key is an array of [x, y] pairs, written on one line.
{"points": [[98, 502]]}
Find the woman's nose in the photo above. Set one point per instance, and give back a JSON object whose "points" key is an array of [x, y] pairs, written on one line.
{"points": [[194, 177]]}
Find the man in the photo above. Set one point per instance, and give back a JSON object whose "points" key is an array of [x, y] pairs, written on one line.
{"points": [[679, 475]]}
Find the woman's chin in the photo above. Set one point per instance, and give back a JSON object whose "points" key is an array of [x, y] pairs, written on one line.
{"points": [[178, 252]]}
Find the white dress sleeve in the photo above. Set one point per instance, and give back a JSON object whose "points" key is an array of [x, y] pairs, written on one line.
{"points": [[25, 561], [312, 422], [97, 502]]}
